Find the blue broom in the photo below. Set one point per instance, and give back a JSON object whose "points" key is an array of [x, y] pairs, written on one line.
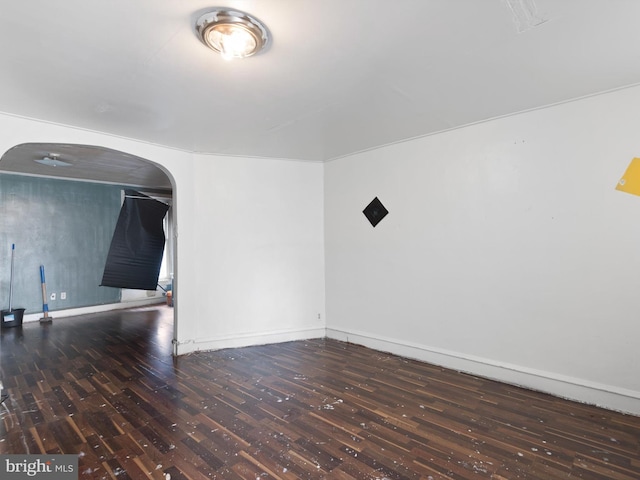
{"points": [[45, 306]]}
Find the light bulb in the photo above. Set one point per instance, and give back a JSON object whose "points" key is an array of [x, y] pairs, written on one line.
{"points": [[232, 41]]}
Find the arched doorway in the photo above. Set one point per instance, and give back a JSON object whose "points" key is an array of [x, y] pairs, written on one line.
{"points": [[85, 175]]}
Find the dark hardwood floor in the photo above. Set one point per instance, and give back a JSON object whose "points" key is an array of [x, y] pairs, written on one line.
{"points": [[106, 388]]}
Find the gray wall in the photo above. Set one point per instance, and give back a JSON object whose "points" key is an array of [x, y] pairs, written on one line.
{"points": [[65, 226]]}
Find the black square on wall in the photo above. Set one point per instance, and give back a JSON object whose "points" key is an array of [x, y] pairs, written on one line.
{"points": [[375, 211]]}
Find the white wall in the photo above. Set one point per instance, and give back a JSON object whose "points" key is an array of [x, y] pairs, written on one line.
{"points": [[250, 256], [507, 252], [261, 270]]}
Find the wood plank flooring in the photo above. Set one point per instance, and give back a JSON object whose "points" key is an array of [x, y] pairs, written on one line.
{"points": [[106, 388]]}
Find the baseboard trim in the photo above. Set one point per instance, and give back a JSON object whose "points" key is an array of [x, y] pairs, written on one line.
{"points": [[248, 339], [73, 312], [576, 389]]}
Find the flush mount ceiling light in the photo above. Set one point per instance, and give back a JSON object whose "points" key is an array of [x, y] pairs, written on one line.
{"points": [[232, 33], [52, 160]]}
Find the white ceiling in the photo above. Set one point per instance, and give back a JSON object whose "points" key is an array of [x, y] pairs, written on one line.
{"points": [[341, 76]]}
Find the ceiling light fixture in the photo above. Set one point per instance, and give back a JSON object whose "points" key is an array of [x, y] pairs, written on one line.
{"points": [[231, 33], [53, 161]]}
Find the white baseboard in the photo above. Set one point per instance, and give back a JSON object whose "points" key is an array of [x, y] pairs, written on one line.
{"points": [[577, 389], [249, 339], [72, 312]]}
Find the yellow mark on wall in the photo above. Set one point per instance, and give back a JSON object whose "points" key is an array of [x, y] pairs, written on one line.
{"points": [[630, 181]]}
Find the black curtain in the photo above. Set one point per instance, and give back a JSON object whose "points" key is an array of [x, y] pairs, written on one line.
{"points": [[135, 254]]}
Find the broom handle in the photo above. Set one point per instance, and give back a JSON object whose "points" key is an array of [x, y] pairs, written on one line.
{"points": [[13, 249], [45, 305]]}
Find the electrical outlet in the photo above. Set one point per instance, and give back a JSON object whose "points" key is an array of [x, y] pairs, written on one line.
{"points": [[52, 296], [63, 295]]}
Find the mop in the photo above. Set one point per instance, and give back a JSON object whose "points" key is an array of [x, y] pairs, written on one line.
{"points": [[45, 306]]}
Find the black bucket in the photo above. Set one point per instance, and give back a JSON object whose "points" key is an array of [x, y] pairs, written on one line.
{"points": [[11, 318]]}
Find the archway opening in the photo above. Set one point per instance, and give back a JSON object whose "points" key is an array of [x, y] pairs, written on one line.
{"points": [[58, 204]]}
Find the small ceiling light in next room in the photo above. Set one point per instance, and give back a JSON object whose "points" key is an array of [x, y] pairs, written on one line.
{"points": [[52, 160], [233, 34]]}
